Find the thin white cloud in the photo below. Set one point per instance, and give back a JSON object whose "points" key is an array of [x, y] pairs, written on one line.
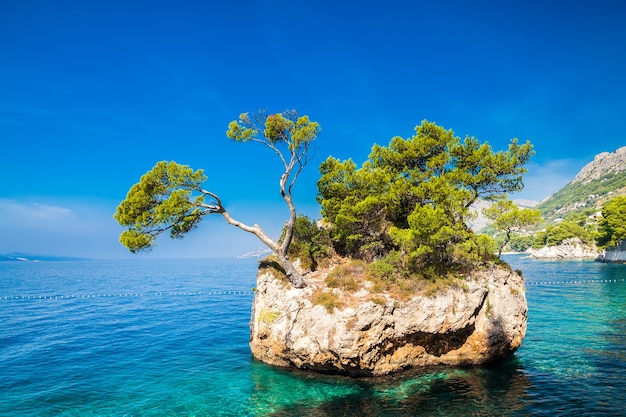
{"points": [[44, 211], [81, 228], [69, 229], [24, 213]]}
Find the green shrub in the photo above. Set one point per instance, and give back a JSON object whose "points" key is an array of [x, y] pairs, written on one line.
{"points": [[378, 300], [311, 244], [271, 264], [554, 235], [348, 276], [521, 243], [388, 269], [328, 300], [269, 316]]}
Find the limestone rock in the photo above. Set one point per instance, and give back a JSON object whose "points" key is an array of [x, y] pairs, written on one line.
{"points": [[616, 254], [483, 322], [572, 248], [602, 164]]}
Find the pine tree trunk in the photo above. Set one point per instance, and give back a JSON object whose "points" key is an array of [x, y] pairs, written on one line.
{"points": [[295, 277]]}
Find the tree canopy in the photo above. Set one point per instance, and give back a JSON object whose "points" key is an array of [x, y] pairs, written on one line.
{"points": [[509, 218], [170, 196], [576, 225], [612, 224], [414, 196]]}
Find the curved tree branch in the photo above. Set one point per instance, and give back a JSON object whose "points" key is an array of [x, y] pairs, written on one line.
{"points": [[163, 201]]}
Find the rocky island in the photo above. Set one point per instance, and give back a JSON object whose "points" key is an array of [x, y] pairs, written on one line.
{"points": [[369, 334], [392, 276]]}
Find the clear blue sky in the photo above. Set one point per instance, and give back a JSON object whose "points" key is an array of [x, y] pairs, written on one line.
{"points": [[93, 93]]}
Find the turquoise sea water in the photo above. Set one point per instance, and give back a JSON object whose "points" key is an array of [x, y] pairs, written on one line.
{"points": [[170, 338]]}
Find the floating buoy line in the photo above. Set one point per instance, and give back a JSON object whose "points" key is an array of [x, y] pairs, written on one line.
{"points": [[251, 292], [577, 281], [128, 294]]}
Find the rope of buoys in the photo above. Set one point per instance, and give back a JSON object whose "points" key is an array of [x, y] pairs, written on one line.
{"points": [[110, 295], [579, 281]]}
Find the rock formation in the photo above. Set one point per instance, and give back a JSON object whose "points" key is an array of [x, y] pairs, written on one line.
{"points": [[614, 255], [572, 248], [602, 164], [374, 334], [597, 182]]}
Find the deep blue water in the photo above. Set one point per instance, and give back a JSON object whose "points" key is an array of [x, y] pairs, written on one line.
{"points": [[170, 338]]}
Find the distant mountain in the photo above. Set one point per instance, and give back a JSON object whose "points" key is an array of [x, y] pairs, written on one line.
{"points": [[597, 182], [257, 253], [527, 203], [24, 257]]}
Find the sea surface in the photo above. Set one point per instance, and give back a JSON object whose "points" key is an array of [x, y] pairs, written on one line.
{"points": [[170, 338]]}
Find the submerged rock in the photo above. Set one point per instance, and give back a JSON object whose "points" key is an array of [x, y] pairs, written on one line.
{"points": [[483, 320]]}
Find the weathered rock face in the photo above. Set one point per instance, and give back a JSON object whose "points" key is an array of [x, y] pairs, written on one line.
{"points": [[572, 248], [483, 322], [616, 255], [602, 164]]}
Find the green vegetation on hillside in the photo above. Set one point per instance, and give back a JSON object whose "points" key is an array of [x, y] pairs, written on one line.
{"points": [[578, 196], [508, 218], [572, 212], [576, 225], [612, 224]]}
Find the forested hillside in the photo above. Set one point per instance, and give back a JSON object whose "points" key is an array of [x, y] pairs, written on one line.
{"points": [[572, 212], [598, 181]]}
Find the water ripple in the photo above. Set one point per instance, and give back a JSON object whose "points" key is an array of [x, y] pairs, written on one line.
{"points": [[170, 338]]}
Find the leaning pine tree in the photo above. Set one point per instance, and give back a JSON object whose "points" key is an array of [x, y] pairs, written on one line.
{"points": [[170, 196]]}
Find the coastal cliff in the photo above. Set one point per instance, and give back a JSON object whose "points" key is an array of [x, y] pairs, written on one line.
{"points": [[374, 334]]}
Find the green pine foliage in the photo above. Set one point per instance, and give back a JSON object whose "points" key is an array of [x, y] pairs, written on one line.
{"points": [[521, 243], [310, 243], [577, 225], [612, 224], [166, 198], [407, 207], [509, 219]]}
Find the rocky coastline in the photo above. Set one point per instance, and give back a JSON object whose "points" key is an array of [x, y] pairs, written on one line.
{"points": [[374, 334], [572, 248]]}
